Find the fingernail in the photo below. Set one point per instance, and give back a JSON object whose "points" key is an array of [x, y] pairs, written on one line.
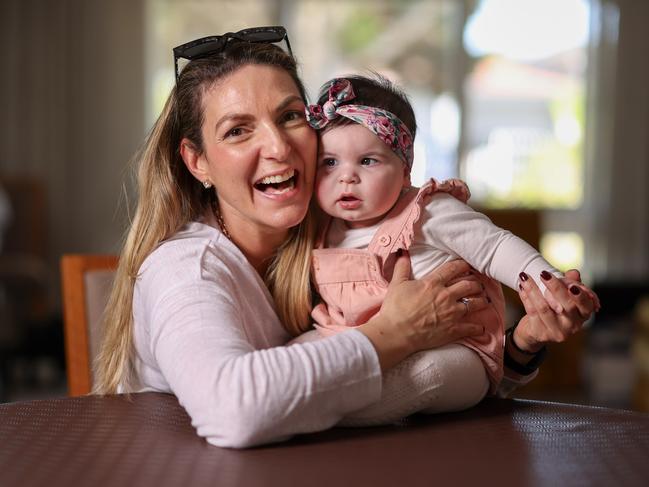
{"points": [[545, 275], [523, 276], [575, 290]]}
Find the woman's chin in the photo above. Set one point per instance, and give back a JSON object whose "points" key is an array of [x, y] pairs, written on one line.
{"points": [[285, 211], [287, 218]]}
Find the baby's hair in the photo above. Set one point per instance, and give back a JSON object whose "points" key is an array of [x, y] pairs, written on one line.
{"points": [[375, 91]]}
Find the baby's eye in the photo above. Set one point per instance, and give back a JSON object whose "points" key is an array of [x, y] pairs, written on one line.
{"points": [[328, 162], [368, 161]]}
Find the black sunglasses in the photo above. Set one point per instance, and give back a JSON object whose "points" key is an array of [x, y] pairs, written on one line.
{"points": [[206, 46]]}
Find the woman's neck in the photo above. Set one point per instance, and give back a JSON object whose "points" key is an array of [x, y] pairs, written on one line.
{"points": [[257, 244], [258, 249]]}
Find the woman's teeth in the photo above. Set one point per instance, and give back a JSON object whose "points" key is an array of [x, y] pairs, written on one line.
{"points": [[278, 178], [277, 184]]}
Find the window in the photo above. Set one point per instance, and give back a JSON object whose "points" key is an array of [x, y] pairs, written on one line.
{"points": [[500, 87], [525, 102]]}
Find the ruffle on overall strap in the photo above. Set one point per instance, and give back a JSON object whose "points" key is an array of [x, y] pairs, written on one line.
{"points": [[397, 231]]}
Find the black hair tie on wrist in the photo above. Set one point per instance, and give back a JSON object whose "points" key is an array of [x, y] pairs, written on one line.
{"points": [[532, 365]]}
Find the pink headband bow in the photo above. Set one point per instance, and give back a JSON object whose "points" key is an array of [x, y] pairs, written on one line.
{"points": [[386, 125]]}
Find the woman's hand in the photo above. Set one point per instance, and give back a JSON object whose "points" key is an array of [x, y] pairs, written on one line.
{"points": [[542, 324], [424, 313]]}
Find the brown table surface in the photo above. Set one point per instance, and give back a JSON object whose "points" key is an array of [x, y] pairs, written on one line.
{"points": [[148, 440]]}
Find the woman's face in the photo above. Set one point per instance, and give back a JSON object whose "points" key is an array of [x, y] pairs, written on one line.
{"points": [[259, 151]]}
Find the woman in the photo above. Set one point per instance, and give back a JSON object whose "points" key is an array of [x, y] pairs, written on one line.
{"points": [[202, 279]]}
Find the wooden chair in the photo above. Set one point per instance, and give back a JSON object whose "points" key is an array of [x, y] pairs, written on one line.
{"points": [[86, 283]]}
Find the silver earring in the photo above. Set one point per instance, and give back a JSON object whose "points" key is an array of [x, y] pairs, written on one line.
{"points": [[207, 184]]}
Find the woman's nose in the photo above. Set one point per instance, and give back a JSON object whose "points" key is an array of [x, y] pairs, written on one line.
{"points": [[275, 144]]}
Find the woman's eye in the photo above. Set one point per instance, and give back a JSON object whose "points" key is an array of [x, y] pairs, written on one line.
{"points": [[293, 115], [368, 161], [234, 132]]}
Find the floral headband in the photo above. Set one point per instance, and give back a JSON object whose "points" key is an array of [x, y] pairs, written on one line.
{"points": [[386, 125]]}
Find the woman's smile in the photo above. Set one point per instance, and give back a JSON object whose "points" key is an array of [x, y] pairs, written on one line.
{"points": [[276, 185]]}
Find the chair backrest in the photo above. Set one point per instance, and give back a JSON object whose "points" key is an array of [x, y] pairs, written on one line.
{"points": [[86, 284]]}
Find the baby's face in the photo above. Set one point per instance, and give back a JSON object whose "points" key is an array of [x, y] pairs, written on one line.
{"points": [[358, 176]]}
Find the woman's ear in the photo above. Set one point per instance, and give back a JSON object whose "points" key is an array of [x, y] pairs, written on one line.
{"points": [[194, 160]]}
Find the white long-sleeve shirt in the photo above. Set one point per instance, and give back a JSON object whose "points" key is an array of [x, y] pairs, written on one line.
{"points": [[205, 329]]}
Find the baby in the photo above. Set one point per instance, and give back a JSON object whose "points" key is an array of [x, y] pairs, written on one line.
{"points": [[367, 128]]}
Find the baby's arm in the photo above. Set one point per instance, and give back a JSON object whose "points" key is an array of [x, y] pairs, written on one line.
{"points": [[459, 230]]}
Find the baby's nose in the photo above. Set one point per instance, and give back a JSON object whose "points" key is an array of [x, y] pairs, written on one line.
{"points": [[348, 177]]}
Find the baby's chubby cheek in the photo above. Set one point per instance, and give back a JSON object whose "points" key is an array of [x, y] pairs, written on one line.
{"points": [[322, 190]]}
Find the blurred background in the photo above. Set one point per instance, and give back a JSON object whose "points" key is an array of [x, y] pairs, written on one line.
{"points": [[542, 106]]}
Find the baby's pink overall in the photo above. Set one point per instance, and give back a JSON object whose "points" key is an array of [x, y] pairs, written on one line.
{"points": [[353, 282]]}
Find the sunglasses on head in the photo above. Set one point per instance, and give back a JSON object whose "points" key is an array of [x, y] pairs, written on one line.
{"points": [[205, 46]]}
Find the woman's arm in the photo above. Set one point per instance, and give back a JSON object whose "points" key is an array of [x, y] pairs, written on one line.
{"points": [[239, 396], [541, 325]]}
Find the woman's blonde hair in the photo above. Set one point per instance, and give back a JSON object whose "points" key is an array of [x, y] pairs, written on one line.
{"points": [[169, 197]]}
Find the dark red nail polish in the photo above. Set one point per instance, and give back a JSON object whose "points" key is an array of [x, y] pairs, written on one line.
{"points": [[575, 290], [545, 275], [523, 276]]}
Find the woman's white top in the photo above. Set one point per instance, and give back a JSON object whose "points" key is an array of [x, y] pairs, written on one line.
{"points": [[206, 330]]}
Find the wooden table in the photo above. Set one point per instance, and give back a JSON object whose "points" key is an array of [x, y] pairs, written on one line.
{"points": [[147, 439]]}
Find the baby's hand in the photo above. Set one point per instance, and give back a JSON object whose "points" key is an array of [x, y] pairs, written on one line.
{"points": [[456, 188], [572, 281]]}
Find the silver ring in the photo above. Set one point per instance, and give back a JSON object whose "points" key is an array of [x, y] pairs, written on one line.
{"points": [[465, 302]]}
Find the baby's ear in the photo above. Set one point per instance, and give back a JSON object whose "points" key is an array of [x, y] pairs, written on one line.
{"points": [[407, 183]]}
